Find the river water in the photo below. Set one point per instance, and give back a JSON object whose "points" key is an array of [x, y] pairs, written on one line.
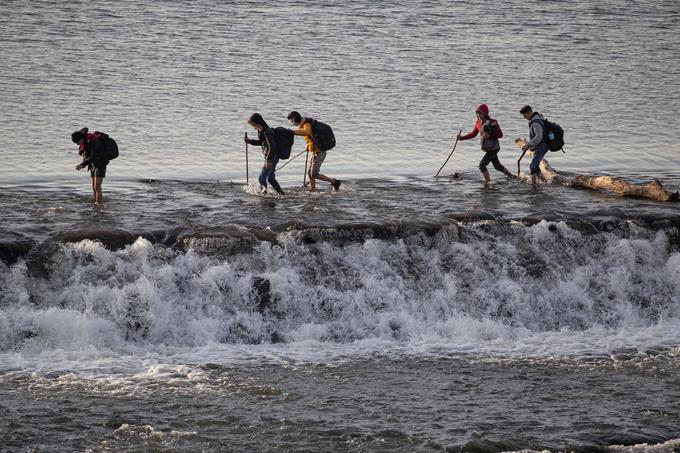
{"points": [[188, 312]]}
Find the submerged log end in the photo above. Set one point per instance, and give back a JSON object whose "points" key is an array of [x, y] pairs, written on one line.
{"points": [[653, 190], [667, 195]]}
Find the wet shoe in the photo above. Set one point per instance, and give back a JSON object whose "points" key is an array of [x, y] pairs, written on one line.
{"points": [[336, 184]]}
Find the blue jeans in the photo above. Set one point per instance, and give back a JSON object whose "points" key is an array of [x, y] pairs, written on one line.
{"points": [[267, 174], [539, 153]]}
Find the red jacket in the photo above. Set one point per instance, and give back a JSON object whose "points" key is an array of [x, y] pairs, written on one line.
{"points": [[485, 110]]}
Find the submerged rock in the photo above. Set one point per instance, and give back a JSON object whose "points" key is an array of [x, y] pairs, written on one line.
{"points": [[112, 239], [14, 246], [263, 293]]}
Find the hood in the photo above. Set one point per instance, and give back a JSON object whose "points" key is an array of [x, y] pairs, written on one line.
{"points": [[536, 116], [484, 109], [257, 119]]}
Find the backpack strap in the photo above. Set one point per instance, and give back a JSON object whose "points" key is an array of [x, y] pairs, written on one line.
{"points": [[270, 137], [545, 130]]}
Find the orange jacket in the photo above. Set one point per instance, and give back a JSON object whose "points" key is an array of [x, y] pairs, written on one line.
{"points": [[305, 130]]}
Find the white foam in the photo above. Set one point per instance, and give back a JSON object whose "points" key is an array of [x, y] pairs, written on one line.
{"points": [[543, 292], [669, 446], [322, 190]]}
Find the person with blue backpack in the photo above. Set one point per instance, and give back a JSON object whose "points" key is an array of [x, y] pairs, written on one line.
{"points": [[97, 149], [538, 142]]}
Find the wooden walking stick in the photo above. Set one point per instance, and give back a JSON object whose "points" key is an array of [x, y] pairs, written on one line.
{"points": [[290, 160], [520, 142], [520, 160], [447, 159], [247, 176], [304, 178]]}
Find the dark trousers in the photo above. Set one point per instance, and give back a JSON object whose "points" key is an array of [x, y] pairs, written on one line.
{"points": [[491, 157], [268, 174]]}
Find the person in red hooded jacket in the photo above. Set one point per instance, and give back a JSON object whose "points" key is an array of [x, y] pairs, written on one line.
{"points": [[489, 132]]}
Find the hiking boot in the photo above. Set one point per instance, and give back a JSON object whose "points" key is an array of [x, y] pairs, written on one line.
{"points": [[336, 184]]}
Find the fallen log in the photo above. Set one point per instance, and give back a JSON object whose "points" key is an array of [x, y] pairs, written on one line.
{"points": [[652, 190]]}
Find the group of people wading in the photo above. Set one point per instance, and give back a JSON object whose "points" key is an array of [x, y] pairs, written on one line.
{"points": [[98, 149], [272, 149], [490, 132]]}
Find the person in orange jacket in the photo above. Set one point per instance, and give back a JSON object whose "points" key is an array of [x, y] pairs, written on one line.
{"points": [[305, 130], [489, 132]]}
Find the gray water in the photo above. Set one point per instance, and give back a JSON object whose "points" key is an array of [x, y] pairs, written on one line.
{"points": [[451, 405], [403, 313], [174, 82]]}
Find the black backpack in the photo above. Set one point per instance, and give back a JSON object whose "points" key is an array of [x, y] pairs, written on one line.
{"points": [[554, 136], [108, 144], [284, 141], [322, 135]]}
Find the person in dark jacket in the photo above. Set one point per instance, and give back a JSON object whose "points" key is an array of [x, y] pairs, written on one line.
{"points": [[93, 150], [267, 140], [489, 132], [537, 140]]}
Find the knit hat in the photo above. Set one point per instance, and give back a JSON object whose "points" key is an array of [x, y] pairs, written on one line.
{"points": [[483, 108]]}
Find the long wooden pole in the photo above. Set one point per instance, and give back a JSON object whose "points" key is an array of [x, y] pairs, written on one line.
{"points": [[520, 160], [304, 178], [447, 159], [247, 175], [290, 160]]}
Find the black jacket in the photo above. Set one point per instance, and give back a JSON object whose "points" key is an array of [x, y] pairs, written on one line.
{"points": [[95, 153], [265, 137], [267, 140]]}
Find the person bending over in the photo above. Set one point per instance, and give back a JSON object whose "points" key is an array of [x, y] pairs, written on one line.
{"points": [[93, 150]]}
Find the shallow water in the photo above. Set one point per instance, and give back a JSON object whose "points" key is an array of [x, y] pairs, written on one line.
{"points": [[451, 404], [189, 312]]}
